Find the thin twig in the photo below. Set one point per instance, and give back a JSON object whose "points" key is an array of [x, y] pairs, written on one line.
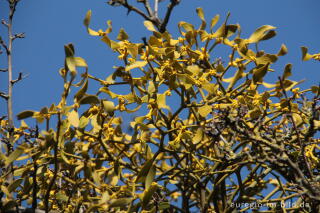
{"points": [[156, 7], [3, 70], [3, 44], [4, 95], [132, 8], [56, 166], [146, 4], [20, 77], [164, 24], [302, 146], [18, 35]]}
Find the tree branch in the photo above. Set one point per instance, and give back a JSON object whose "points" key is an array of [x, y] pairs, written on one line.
{"points": [[302, 146], [18, 35], [147, 6], [156, 7], [3, 70], [3, 95], [165, 21], [130, 8], [20, 77], [56, 166]]}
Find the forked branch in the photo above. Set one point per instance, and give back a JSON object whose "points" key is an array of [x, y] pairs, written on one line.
{"points": [[149, 14]]}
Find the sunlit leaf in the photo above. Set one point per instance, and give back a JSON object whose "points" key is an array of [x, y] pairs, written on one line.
{"points": [[108, 106], [214, 21], [141, 176], [73, 118], [136, 64], [260, 33], [86, 23], [121, 202], [62, 197], [149, 26], [161, 101], [283, 50], [204, 110], [201, 16], [305, 55]]}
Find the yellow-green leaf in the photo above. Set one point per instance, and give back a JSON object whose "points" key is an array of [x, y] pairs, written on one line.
{"points": [[15, 154], [62, 197], [150, 176], [144, 171], [305, 55], [108, 106], [83, 122], [86, 23], [214, 21], [15, 184], [297, 119], [201, 16], [121, 202], [89, 99], [283, 50], [205, 110], [259, 73], [268, 85], [81, 91], [122, 35], [161, 101], [136, 64], [267, 58], [186, 26], [148, 193], [73, 118], [80, 62], [149, 26], [25, 114], [287, 71], [259, 34]]}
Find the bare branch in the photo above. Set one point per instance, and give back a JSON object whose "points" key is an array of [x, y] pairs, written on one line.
{"points": [[168, 14], [56, 167], [156, 7], [130, 8], [302, 145], [20, 77], [147, 6], [3, 44], [3, 70], [149, 15], [4, 23], [18, 35], [3, 95]]}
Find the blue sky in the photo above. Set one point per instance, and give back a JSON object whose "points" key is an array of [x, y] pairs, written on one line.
{"points": [[49, 25]]}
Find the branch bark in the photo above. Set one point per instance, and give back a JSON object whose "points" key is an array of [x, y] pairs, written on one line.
{"points": [[149, 14]]}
